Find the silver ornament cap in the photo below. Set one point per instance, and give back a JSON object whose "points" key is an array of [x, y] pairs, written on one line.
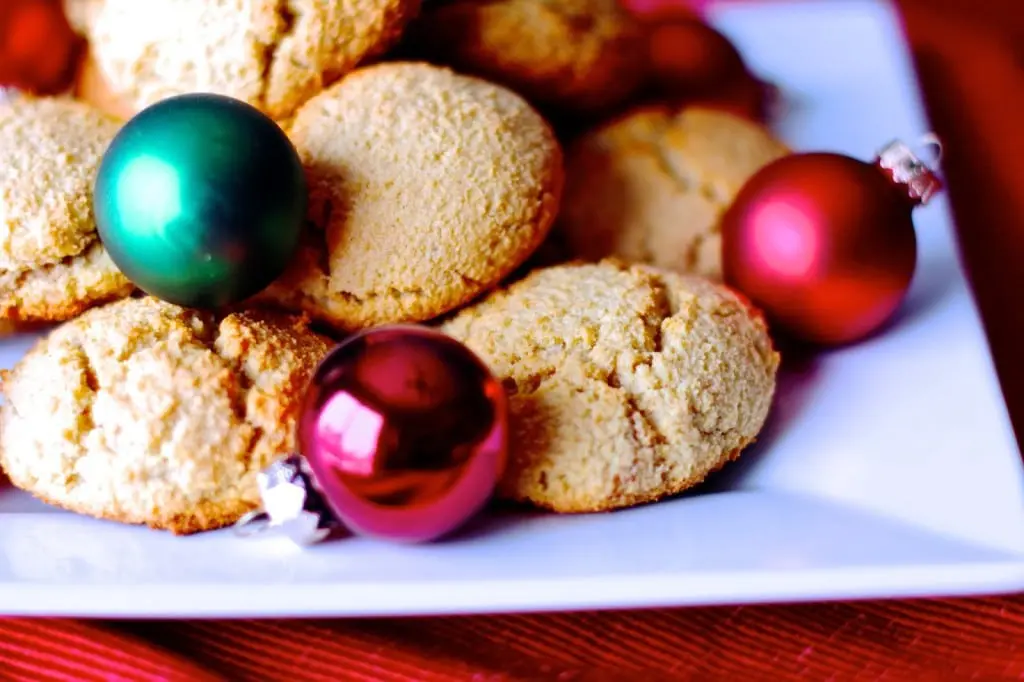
{"points": [[292, 505], [907, 169]]}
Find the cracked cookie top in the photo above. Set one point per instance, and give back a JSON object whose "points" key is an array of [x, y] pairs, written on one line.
{"points": [[52, 149], [52, 265], [426, 189], [273, 54], [144, 412], [652, 186], [626, 383], [572, 55]]}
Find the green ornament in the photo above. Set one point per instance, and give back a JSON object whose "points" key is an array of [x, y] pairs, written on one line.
{"points": [[200, 200]]}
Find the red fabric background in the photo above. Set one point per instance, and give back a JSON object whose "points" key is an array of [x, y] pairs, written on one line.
{"points": [[969, 55]]}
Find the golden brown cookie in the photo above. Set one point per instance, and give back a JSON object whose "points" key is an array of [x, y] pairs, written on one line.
{"points": [[52, 265], [651, 186], [426, 189], [626, 383], [273, 54], [146, 413], [575, 55]]}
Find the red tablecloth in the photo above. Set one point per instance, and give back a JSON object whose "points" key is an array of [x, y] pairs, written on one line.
{"points": [[923, 641], [971, 62]]}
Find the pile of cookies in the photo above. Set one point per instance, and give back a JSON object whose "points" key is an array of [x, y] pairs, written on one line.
{"points": [[439, 194]]}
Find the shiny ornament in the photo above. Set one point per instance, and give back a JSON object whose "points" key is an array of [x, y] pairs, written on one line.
{"points": [[824, 244], [200, 200], [403, 436]]}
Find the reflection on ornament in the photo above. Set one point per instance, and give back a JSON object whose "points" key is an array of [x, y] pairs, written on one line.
{"points": [[200, 200], [349, 431], [824, 244], [403, 436]]}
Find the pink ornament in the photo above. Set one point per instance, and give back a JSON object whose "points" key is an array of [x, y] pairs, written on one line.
{"points": [[404, 432]]}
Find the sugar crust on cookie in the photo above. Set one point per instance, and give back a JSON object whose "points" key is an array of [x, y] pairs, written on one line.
{"points": [[143, 412], [273, 54], [52, 265], [427, 188], [626, 383], [651, 186], [580, 55]]}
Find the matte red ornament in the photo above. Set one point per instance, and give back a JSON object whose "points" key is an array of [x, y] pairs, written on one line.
{"points": [[38, 48], [692, 63], [824, 244], [406, 433]]}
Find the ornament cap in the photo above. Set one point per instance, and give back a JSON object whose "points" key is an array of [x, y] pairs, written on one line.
{"points": [[904, 167], [292, 504]]}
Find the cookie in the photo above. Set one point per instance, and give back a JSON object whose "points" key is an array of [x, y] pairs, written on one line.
{"points": [[570, 55], [627, 383], [91, 87], [147, 413], [81, 14], [273, 54], [52, 265], [426, 189], [652, 186]]}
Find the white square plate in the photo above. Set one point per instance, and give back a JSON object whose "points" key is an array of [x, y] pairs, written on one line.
{"points": [[888, 469]]}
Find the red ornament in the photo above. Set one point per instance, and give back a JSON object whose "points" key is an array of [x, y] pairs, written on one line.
{"points": [[692, 63], [38, 48], [406, 432], [824, 244]]}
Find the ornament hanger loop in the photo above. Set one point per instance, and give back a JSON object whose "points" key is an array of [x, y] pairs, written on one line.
{"points": [[253, 523], [905, 168], [929, 145]]}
